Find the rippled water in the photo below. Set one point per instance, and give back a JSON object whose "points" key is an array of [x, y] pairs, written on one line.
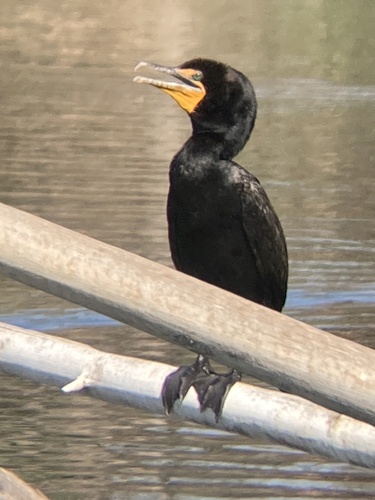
{"points": [[83, 146]]}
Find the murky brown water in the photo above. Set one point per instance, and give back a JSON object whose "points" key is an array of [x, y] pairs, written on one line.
{"points": [[83, 146]]}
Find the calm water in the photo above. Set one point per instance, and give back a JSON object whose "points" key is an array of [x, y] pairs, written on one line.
{"points": [[83, 146]]}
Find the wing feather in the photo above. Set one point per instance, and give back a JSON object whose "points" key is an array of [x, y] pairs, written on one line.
{"points": [[266, 238]]}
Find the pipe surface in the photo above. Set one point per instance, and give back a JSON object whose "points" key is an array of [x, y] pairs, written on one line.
{"points": [[270, 346], [249, 410]]}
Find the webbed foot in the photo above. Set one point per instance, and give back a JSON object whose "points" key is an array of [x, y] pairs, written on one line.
{"points": [[211, 387], [177, 384]]}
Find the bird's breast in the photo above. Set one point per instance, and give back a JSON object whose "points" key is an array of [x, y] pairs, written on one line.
{"points": [[201, 206], [202, 195]]}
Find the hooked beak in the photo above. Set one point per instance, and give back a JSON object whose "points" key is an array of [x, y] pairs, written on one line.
{"points": [[186, 92]]}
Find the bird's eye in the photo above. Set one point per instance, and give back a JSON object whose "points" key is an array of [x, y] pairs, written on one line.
{"points": [[197, 76]]}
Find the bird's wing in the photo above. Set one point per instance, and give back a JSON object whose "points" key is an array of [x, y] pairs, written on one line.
{"points": [[265, 237]]}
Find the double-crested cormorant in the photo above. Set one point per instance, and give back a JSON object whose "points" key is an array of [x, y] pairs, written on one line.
{"points": [[222, 226]]}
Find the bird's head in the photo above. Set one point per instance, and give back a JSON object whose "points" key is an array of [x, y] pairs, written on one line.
{"points": [[216, 96]]}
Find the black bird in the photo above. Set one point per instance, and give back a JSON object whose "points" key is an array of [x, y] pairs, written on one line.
{"points": [[222, 226]]}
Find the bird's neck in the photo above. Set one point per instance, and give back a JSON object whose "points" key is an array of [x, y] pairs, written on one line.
{"points": [[209, 146], [202, 146], [225, 141], [213, 141]]}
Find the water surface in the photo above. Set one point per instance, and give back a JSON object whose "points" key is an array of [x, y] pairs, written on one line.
{"points": [[83, 146]]}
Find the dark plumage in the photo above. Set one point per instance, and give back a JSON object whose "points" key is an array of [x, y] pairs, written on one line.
{"points": [[222, 226]]}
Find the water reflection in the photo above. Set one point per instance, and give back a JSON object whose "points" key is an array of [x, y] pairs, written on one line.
{"points": [[84, 147]]}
